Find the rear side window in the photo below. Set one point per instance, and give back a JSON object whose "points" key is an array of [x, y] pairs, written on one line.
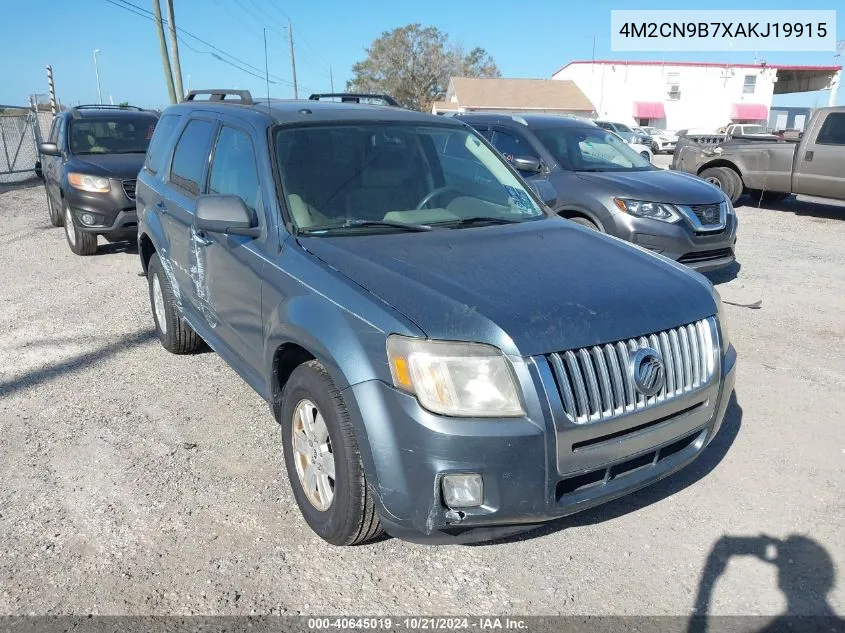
{"points": [[833, 130], [233, 169], [191, 155], [157, 151]]}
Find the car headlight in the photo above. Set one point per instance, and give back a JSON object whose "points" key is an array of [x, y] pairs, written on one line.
{"points": [[84, 182], [650, 210], [723, 321], [454, 378]]}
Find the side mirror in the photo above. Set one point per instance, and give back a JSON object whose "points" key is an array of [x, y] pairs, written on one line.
{"points": [[527, 163], [225, 214], [49, 149]]}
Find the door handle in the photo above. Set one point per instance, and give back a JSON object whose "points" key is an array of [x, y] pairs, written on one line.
{"points": [[808, 156]]}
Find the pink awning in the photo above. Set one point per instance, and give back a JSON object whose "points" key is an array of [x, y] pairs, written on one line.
{"points": [[749, 112], [649, 110]]}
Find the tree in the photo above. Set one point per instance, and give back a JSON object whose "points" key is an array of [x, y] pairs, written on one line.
{"points": [[413, 64]]}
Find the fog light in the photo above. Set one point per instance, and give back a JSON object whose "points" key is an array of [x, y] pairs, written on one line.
{"points": [[463, 491], [87, 218]]}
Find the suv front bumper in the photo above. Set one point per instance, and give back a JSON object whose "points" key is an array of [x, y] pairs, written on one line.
{"points": [[699, 251], [530, 471], [114, 212]]}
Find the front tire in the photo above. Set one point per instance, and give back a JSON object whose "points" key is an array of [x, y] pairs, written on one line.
{"points": [[585, 222], [175, 334], [80, 242], [323, 461], [56, 218], [725, 179]]}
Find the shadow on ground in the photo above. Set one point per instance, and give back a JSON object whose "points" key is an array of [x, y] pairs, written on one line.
{"points": [[803, 208], [724, 275], [700, 468]]}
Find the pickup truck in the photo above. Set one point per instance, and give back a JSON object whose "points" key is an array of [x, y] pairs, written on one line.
{"points": [[772, 170]]}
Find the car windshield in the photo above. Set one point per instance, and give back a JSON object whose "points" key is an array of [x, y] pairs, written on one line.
{"points": [[622, 128], [591, 149], [373, 177], [654, 130], [111, 135]]}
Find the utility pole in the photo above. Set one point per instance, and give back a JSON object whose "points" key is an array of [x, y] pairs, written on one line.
{"points": [[97, 72], [165, 60], [51, 86], [174, 43], [292, 61], [331, 78]]}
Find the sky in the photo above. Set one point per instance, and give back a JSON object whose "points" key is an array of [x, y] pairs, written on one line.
{"points": [[525, 39]]}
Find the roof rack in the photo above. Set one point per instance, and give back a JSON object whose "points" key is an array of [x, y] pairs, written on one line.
{"points": [[219, 94], [74, 111], [354, 97]]}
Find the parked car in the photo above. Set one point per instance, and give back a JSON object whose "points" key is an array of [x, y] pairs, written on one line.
{"points": [[641, 149], [747, 130], [446, 359], [773, 169], [661, 140], [592, 177], [89, 164], [626, 133]]}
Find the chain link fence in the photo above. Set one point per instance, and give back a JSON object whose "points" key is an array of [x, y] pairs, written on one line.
{"points": [[21, 130]]}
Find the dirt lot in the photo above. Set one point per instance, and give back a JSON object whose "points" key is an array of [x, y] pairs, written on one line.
{"points": [[134, 481]]}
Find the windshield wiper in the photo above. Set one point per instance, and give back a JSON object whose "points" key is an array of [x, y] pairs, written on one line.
{"points": [[477, 219], [354, 224]]}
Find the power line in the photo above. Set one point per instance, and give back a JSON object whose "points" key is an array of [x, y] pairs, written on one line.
{"points": [[301, 39], [255, 71]]}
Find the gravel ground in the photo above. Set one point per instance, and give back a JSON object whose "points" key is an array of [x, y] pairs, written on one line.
{"points": [[138, 482]]}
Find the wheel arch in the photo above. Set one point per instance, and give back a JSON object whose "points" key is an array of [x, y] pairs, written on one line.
{"points": [[720, 162], [580, 212], [146, 249]]}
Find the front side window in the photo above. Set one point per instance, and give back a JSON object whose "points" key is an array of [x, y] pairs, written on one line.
{"points": [[833, 130], [233, 169], [191, 155], [511, 146], [115, 135], [354, 176], [591, 149]]}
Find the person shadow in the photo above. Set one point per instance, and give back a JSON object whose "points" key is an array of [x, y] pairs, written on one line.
{"points": [[806, 575]]}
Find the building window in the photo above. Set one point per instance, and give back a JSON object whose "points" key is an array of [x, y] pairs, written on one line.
{"points": [[673, 87], [750, 85]]}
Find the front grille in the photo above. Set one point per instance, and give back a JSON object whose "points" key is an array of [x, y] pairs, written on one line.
{"points": [[129, 188], [596, 383], [704, 256], [708, 214]]}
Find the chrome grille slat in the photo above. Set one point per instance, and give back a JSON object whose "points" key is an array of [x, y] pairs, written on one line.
{"points": [[595, 383]]}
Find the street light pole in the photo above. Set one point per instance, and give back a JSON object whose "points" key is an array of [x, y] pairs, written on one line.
{"points": [[97, 72]]}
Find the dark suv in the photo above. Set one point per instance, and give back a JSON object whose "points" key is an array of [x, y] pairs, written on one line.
{"points": [[447, 359], [590, 176], [89, 165]]}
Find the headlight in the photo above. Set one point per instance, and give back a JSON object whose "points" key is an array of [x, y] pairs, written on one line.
{"points": [[723, 321], [84, 182], [651, 210], [452, 378]]}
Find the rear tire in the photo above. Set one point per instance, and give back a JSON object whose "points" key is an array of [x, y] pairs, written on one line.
{"points": [[175, 334], [584, 222], [349, 516], [725, 179], [56, 218], [80, 242]]}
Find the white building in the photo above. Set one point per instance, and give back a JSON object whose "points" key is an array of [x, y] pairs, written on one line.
{"points": [[682, 95]]}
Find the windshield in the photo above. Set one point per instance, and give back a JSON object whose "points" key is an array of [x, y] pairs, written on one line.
{"points": [[116, 135], [654, 130], [752, 129], [622, 128], [377, 177], [591, 149]]}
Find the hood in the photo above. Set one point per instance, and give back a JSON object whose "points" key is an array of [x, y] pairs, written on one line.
{"points": [[538, 287], [121, 166], [658, 185]]}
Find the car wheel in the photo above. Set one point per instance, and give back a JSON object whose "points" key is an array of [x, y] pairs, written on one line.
{"points": [[80, 242], [322, 459], [585, 222], [725, 179], [175, 334], [56, 218], [655, 148]]}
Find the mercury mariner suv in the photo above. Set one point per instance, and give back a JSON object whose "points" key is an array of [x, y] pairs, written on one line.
{"points": [[447, 359]]}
